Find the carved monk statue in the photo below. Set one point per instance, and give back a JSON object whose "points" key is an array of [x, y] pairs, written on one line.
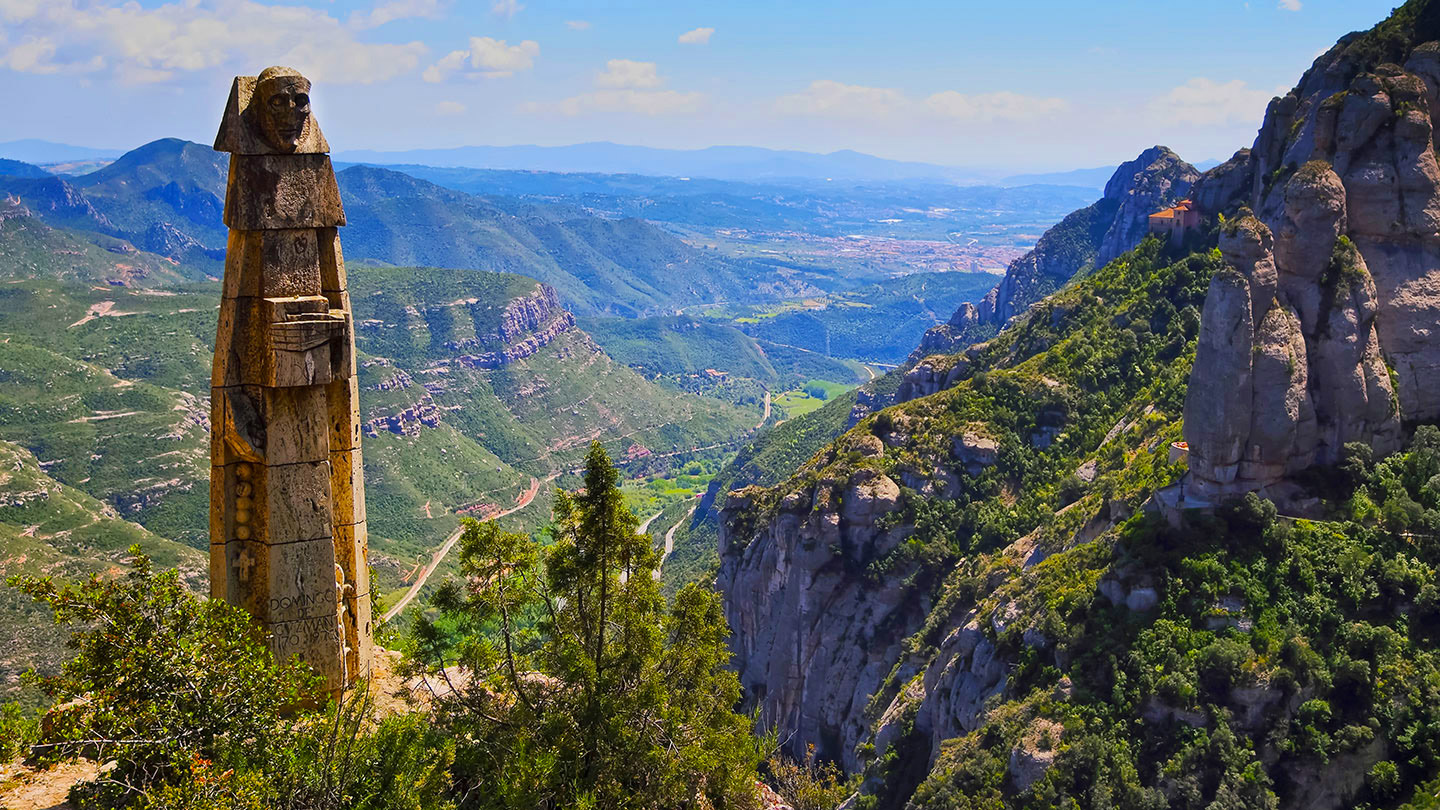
{"points": [[287, 497]]}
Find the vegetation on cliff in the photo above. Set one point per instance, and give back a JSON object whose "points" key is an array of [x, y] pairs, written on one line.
{"points": [[576, 685], [583, 688], [1283, 663]]}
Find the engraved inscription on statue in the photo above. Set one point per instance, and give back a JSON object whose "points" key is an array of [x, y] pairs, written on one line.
{"points": [[287, 494]]}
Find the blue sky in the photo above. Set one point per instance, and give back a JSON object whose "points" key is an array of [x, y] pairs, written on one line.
{"points": [[1021, 85]]}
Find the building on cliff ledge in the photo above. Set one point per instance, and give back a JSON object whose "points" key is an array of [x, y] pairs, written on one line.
{"points": [[1173, 223]]}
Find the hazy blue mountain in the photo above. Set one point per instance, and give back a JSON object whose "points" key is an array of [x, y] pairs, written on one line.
{"points": [[917, 209], [722, 162], [1095, 178], [32, 150], [1088, 178], [16, 168]]}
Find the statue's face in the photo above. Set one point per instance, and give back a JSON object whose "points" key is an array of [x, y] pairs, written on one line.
{"points": [[285, 110]]}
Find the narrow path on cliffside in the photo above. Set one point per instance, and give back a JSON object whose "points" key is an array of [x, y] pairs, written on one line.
{"points": [[525, 499]]}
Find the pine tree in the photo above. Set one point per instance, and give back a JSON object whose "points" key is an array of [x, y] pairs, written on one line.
{"points": [[582, 689]]}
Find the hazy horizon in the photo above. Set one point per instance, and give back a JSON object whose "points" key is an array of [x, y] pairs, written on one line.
{"points": [[1035, 87]]}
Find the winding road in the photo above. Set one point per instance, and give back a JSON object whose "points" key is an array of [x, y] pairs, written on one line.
{"points": [[439, 556], [670, 537]]}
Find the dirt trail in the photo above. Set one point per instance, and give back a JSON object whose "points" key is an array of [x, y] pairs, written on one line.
{"points": [[99, 310], [450, 542]]}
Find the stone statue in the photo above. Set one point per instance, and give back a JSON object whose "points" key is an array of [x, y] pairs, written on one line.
{"points": [[287, 496]]}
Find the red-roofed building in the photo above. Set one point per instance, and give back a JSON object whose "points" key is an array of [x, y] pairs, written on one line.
{"points": [[1173, 223]]}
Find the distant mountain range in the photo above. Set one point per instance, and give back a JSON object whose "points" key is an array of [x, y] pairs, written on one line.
{"points": [[717, 162], [743, 163], [166, 198], [31, 150]]}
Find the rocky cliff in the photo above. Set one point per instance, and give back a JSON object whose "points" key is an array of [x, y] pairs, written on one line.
{"points": [[1091, 236], [981, 596], [1323, 329], [526, 324]]}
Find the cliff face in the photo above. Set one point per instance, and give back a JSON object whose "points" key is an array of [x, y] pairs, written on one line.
{"points": [[1091, 236], [1323, 329], [528, 324], [813, 640]]}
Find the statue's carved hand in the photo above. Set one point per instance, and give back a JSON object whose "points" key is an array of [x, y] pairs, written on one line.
{"points": [[302, 332]]}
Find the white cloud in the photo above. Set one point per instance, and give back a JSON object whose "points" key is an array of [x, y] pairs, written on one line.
{"points": [[1205, 102], [506, 8], [497, 58], [642, 102], [134, 44], [988, 108], [699, 36], [837, 100], [627, 86], [577, 25], [1290, 5], [626, 73], [396, 10], [832, 99], [489, 59], [18, 10], [449, 108], [447, 65], [31, 56]]}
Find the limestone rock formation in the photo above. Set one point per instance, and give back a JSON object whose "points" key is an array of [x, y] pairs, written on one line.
{"points": [[1340, 262], [287, 497], [814, 641], [1091, 236]]}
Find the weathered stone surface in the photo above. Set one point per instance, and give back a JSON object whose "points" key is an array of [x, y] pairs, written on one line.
{"points": [[295, 425], [332, 263], [975, 450], [1218, 400], [1139, 188], [298, 500], [1226, 186], [240, 135], [347, 477], [1345, 176], [287, 479], [314, 641], [342, 402], [274, 192], [1282, 419], [812, 641]]}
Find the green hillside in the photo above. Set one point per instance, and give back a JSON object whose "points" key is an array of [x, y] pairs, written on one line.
{"points": [[109, 387], [599, 266], [709, 357], [167, 198], [881, 322], [52, 529], [29, 248], [1323, 622]]}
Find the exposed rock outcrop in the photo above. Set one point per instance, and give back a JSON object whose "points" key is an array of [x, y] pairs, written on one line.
{"points": [[1091, 236], [1339, 269], [528, 324], [814, 640]]}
